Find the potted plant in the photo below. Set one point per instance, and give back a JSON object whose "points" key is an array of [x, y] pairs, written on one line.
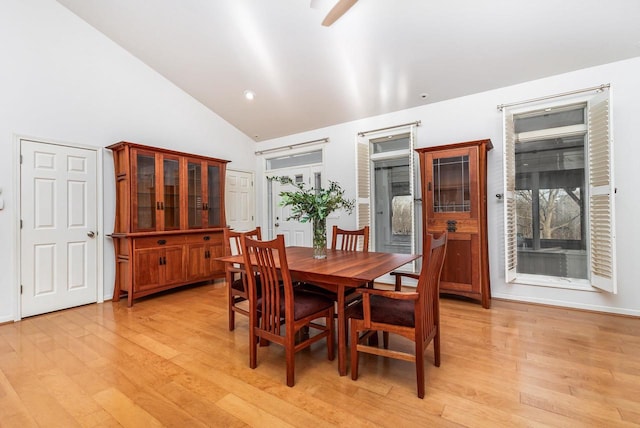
{"points": [[309, 204]]}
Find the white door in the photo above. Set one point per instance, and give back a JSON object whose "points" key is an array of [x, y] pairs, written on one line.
{"points": [[59, 225], [239, 200], [295, 233]]}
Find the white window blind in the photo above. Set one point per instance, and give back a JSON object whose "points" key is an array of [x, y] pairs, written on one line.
{"points": [[363, 178], [601, 194], [510, 226]]}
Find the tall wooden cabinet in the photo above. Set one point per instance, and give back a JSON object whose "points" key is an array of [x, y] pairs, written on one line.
{"points": [[454, 195], [169, 219]]}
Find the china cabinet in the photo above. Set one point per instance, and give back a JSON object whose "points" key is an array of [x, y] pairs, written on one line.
{"points": [[169, 219], [454, 194]]}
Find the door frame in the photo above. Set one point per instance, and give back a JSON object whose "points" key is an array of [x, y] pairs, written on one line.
{"points": [[313, 168], [17, 244]]}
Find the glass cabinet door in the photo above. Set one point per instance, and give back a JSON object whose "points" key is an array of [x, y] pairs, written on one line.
{"points": [[194, 196], [451, 187], [214, 199], [145, 192], [171, 205]]}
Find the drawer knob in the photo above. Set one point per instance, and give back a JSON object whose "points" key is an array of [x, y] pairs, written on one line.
{"points": [[162, 241]]}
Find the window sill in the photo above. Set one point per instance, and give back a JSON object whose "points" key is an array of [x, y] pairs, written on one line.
{"points": [[554, 282]]}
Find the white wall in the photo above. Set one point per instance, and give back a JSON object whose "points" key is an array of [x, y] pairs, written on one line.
{"points": [[62, 81], [476, 117]]}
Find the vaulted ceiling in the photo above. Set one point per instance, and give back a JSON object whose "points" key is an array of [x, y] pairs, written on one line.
{"points": [[380, 56]]}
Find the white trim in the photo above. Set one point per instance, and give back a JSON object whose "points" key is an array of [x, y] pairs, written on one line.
{"points": [[100, 232], [15, 290], [565, 304], [561, 131], [390, 155], [553, 282]]}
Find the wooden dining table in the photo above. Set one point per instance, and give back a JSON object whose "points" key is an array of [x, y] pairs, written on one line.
{"points": [[338, 272]]}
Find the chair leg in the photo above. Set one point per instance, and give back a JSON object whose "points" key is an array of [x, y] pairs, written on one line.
{"points": [[290, 359], [354, 349], [253, 348], [330, 324], [385, 339], [436, 348], [420, 368], [232, 320]]}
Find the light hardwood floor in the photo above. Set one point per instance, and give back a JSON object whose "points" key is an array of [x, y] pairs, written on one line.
{"points": [[171, 361]]}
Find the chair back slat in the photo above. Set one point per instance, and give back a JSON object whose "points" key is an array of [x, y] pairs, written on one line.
{"points": [[271, 265], [232, 247], [429, 282], [232, 240], [350, 240]]}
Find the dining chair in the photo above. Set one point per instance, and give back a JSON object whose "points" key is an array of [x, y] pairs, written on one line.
{"points": [[235, 275], [350, 239], [282, 311], [413, 315], [345, 240]]}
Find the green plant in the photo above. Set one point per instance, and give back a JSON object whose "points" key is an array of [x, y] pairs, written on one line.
{"points": [[309, 204]]}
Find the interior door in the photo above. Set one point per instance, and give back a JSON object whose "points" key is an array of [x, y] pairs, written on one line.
{"points": [[59, 227], [295, 233], [239, 200]]}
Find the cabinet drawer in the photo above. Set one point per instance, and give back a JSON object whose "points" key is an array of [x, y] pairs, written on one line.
{"points": [[204, 238], [158, 241]]}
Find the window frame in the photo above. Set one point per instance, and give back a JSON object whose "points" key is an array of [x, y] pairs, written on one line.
{"points": [[598, 149]]}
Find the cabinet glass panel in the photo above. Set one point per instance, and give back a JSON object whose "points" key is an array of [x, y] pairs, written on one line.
{"points": [[214, 202], [171, 194], [194, 203], [451, 184], [146, 191]]}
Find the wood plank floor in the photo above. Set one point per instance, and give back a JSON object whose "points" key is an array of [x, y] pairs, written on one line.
{"points": [[171, 361]]}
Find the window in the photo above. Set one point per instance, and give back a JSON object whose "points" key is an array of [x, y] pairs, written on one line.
{"points": [[385, 176], [558, 194], [298, 159]]}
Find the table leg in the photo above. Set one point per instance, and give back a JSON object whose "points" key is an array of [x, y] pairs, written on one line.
{"points": [[342, 333]]}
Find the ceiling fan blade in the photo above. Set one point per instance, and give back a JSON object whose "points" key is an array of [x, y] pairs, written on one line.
{"points": [[337, 11]]}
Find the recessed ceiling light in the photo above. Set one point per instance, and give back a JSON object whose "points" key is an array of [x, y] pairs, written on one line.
{"points": [[249, 94]]}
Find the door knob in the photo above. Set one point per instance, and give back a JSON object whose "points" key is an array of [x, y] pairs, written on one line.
{"points": [[91, 234]]}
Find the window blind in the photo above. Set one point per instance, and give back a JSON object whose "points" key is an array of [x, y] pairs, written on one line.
{"points": [[601, 194], [363, 178], [510, 226]]}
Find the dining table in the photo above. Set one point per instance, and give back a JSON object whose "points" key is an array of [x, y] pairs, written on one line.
{"points": [[339, 272]]}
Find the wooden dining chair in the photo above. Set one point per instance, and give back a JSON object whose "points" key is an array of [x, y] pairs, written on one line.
{"points": [[345, 240], [235, 275], [282, 311], [413, 315], [349, 240]]}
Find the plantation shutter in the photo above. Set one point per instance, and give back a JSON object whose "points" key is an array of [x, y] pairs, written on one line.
{"points": [[601, 194], [363, 179], [510, 226]]}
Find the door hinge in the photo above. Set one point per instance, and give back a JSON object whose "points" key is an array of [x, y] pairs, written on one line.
{"points": [[20, 288], [20, 159], [20, 224]]}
